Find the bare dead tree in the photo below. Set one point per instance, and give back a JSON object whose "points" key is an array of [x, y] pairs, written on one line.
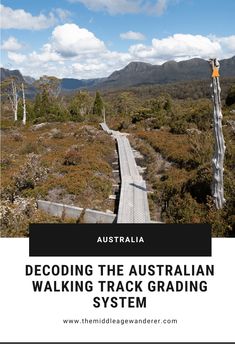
{"points": [[218, 158], [24, 105], [104, 114], [14, 99]]}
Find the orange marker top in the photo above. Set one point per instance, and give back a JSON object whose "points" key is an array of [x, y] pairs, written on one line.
{"points": [[215, 72]]}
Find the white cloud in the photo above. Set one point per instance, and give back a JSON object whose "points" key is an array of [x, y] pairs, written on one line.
{"points": [[70, 40], [125, 6], [132, 36], [11, 44], [78, 53], [111, 6], [227, 43], [47, 54], [62, 13], [178, 47], [17, 58], [160, 7], [20, 19], [100, 66]]}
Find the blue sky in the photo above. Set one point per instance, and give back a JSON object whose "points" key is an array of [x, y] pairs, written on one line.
{"points": [[92, 38]]}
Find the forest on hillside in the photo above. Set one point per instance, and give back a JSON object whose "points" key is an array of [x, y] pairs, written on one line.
{"points": [[62, 155]]}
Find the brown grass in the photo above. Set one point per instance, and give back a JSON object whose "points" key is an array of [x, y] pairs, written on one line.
{"points": [[85, 182]]}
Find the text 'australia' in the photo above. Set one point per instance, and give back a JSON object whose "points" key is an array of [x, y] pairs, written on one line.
{"points": [[120, 239]]}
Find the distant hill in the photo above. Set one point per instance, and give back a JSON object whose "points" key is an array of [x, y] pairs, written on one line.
{"points": [[140, 73], [30, 90], [72, 83], [5, 74], [28, 79]]}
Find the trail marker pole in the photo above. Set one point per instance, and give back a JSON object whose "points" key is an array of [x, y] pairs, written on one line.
{"points": [[218, 158]]}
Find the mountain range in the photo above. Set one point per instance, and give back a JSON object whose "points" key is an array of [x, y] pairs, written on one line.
{"points": [[140, 73]]}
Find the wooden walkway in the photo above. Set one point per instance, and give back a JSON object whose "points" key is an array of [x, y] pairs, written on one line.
{"points": [[133, 203]]}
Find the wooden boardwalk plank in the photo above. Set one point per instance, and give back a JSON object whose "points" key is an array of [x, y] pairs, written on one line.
{"points": [[133, 203]]}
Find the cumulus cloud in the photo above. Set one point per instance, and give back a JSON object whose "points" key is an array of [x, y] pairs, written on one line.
{"points": [[125, 6], [78, 53], [47, 54], [130, 35], [160, 7], [70, 40], [37, 59], [17, 58], [112, 7], [101, 66], [62, 13], [178, 47], [11, 44], [20, 19], [227, 44]]}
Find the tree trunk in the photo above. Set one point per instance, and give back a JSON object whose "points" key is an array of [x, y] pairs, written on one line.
{"points": [[104, 114], [218, 158], [24, 105], [14, 101]]}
